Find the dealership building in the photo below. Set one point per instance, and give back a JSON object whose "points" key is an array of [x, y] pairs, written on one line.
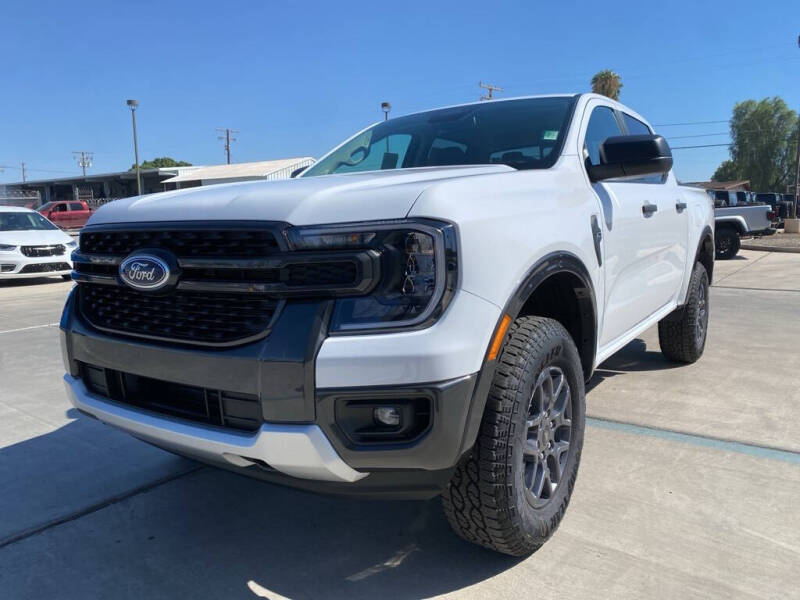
{"points": [[97, 189]]}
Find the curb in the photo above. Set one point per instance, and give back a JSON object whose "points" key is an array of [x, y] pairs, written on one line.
{"points": [[770, 249]]}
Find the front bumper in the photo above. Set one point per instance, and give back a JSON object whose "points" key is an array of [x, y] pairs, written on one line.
{"points": [[15, 265], [300, 378], [296, 450]]}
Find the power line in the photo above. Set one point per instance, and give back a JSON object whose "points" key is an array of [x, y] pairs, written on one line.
{"points": [[691, 123], [228, 139], [703, 146], [697, 135]]}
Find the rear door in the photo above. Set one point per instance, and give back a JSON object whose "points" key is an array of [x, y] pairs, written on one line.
{"points": [[78, 214]]}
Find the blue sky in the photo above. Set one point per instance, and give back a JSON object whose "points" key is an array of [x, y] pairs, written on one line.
{"points": [[296, 78]]}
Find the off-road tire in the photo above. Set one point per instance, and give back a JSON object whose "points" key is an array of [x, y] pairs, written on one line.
{"points": [[727, 242], [678, 333], [486, 501]]}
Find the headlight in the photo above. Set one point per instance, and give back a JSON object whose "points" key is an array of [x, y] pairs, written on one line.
{"points": [[72, 244], [418, 271], [7, 248]]}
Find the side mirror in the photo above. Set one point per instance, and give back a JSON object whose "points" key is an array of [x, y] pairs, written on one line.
{"points": [[297, 172], [632, 156]]}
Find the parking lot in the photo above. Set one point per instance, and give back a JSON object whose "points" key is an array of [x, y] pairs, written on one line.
{"points": [[688, 488]]}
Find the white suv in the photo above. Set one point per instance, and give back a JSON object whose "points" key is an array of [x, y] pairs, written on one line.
{"points": [[415, 315]]}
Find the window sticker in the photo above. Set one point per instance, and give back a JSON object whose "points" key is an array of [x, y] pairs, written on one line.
{"points": [[549, 134]]}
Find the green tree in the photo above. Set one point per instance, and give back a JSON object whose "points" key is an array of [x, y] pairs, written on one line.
{"points": [[727, 171], [608, 83], [161, 162], [763, 145]]}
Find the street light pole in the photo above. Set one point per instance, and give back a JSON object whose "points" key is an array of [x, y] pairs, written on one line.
{"points": [[133, 104]]}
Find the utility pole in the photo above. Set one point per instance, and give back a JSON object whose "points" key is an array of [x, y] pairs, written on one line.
{"points": [[23, 171], [228, 139], [133, 105], [797, 170], [84, 159], [491, 88]]}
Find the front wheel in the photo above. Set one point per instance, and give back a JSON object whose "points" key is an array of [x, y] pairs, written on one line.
{"points": [[510, 491], [682, 334], [727, 243]]}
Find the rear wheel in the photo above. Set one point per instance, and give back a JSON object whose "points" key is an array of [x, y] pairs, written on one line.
{"points": [[511, 490], [727, 243], [682, 334]]}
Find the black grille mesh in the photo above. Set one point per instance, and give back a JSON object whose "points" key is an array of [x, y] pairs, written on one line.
{"points": [[37, 251], [205, 318], [183, 242], [215, 407], [45, 268]]}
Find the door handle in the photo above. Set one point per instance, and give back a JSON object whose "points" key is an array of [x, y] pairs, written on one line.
{"points": [[649, 209], [680, 206]]}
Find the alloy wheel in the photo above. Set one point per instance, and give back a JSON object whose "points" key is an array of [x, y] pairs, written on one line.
{"points": [[549, 428]]}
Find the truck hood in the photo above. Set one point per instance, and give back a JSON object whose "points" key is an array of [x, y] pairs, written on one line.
{"points": [[304, 201]]}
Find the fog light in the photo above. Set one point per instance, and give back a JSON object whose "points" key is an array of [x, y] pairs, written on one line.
{"points": [[387, 415]]}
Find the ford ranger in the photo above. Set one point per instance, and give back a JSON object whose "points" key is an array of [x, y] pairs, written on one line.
{"points": [[414, 315]]}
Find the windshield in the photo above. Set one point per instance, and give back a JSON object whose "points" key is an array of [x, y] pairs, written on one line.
{"points": [[524, 134], [23, 221]]}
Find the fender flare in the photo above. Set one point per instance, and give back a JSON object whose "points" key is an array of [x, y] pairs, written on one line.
{"points": [[736, 220], [706, 233], [547, 266]]}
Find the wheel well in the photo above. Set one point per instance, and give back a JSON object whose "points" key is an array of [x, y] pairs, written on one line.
{"points": [[565, 298], [705, 255], [734, 226]]}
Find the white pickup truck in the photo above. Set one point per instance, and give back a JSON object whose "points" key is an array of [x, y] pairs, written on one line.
{"points": [[415, 315]]}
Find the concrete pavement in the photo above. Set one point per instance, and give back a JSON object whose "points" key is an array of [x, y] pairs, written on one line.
{"points": [[687, 489]]}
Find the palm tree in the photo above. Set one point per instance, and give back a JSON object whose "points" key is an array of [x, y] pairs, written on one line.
{"points": [[607, 83]]}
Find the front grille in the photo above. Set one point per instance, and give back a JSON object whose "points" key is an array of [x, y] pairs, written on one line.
{"points": [[333, 273], [45, 268], [184, 243], [39, 251], [189, 317], [214, 407]]}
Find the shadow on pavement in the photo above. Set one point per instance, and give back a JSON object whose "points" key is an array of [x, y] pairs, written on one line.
{"points": [[215, 534], [632, 358]]}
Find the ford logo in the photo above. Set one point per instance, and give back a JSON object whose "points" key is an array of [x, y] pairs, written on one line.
{"points": [[144, 272]]}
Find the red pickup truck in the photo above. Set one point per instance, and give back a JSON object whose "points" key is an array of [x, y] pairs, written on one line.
{"points": [[67, 214]]}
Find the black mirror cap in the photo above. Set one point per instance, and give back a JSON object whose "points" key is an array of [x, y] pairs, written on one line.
{"points": [[297, 172], [632, 156]]}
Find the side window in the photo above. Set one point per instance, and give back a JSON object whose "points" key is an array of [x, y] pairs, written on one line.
{"points": [[602, 125], [636, 127], [60, 208], [76, 206]]}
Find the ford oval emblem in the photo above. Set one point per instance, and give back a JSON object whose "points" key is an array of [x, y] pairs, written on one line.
{"points": [[144, 272]]}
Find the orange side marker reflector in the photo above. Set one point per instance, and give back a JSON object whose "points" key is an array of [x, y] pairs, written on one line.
{"points": [[498, 337]]}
